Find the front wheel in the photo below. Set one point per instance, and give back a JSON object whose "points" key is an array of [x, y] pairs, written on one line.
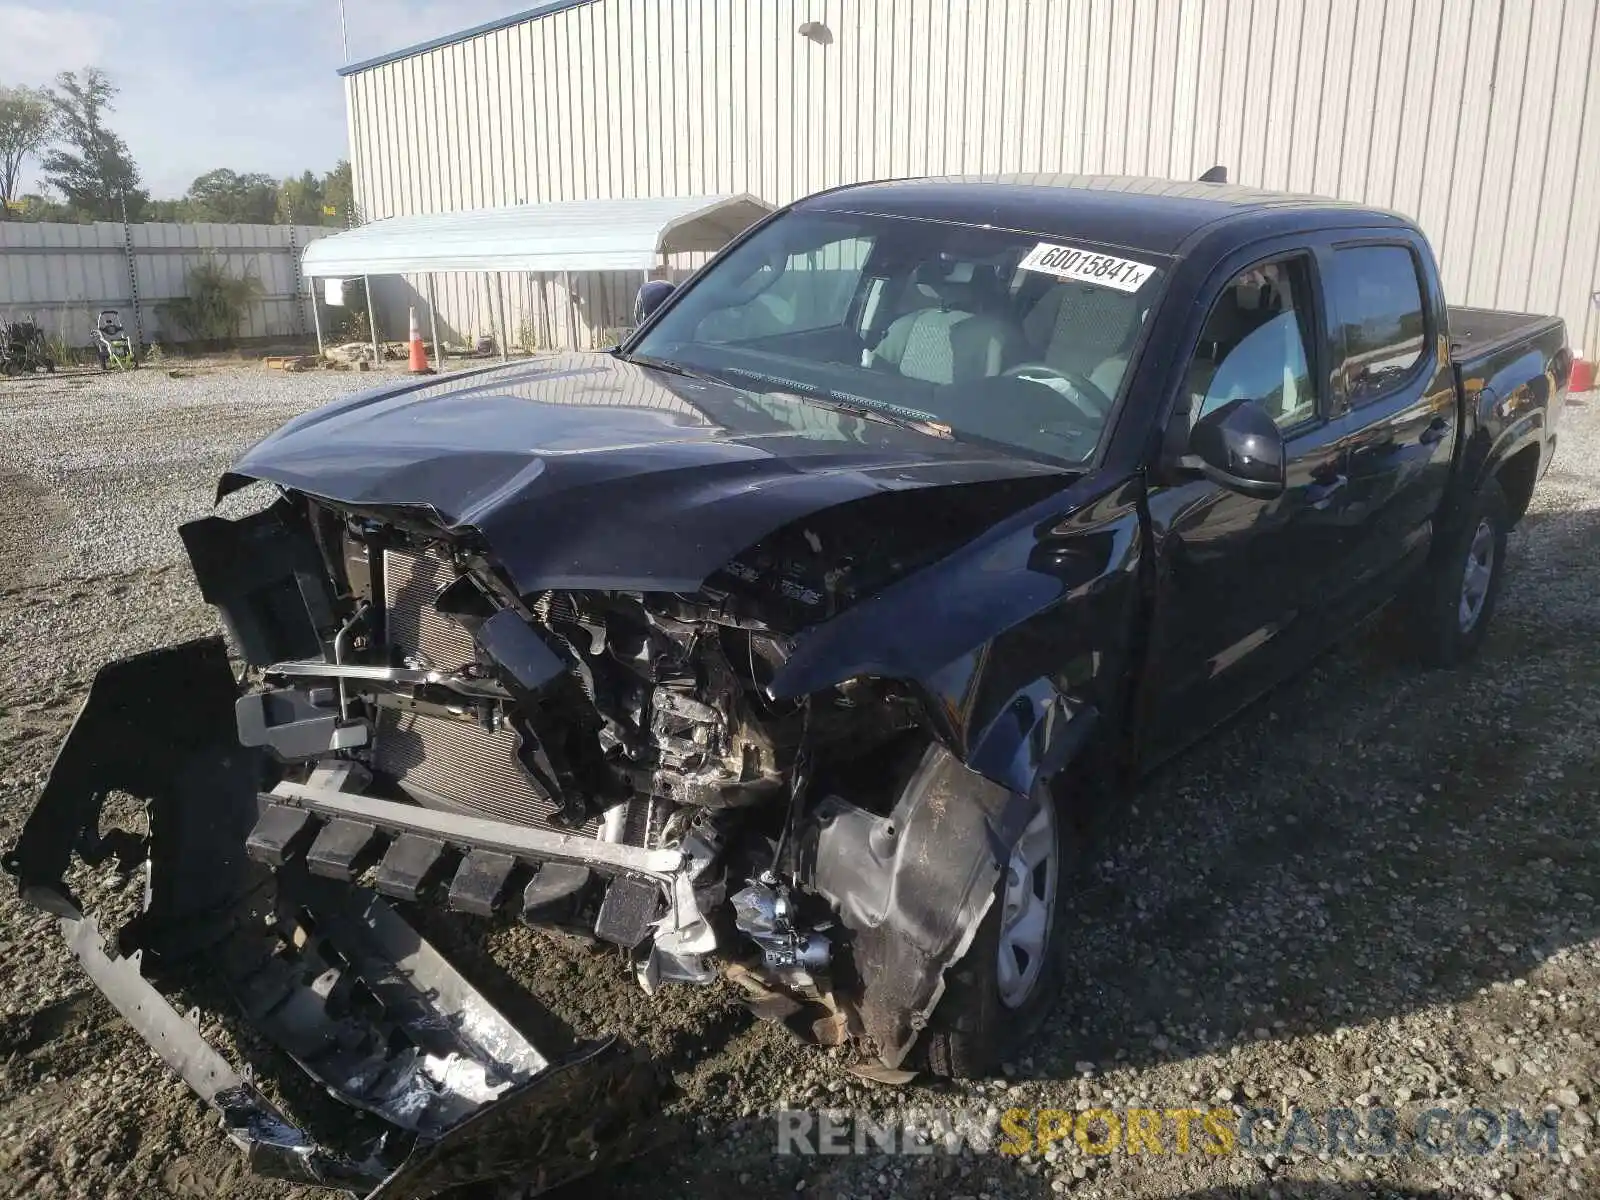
{"points": [[998, 994], [1457, 596]]}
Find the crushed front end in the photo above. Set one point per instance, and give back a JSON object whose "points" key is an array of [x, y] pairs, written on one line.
{"points": [[410, 730]]}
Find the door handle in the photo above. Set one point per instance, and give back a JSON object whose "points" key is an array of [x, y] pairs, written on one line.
{"points": [[1435, 432], [1320, 495]]}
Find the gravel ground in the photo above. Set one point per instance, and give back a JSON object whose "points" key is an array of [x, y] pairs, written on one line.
{"points": [[1377, 888]]}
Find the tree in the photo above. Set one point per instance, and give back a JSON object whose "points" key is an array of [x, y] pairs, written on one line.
{"points": [[224, 195], [338, 192], [26, 123], [174, 211], [34, 207], [217, 303], [94, 170], [300, 201]]}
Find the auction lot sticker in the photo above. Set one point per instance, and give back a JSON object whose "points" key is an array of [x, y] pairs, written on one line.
{"points": [[1087, 266]]}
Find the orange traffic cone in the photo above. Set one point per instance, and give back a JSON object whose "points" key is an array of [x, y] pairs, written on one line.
{"points": [[419, 356]]}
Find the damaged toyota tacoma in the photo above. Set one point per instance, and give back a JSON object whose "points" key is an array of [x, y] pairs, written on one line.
{"points": [[803, 639]]}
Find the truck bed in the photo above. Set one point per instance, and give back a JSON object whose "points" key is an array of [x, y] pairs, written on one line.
{"points": [[1476, 333]]}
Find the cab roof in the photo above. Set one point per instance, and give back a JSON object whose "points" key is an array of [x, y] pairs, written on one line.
{"points": [[1158, 215]]}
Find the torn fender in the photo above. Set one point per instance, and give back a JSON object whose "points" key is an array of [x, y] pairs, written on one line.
{"points": [[911, 888], [1048, 560]]}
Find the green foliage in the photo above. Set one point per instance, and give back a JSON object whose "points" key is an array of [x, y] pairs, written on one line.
{"points": [[178, 211], [229, 197], [338, 193], [300, 201], [350, 323], [26, 122], [216, 304], [93, 177], [92, 167], [34, 207]]}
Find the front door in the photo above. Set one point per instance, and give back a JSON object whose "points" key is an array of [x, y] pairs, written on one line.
{"points": [[1243, 582]]}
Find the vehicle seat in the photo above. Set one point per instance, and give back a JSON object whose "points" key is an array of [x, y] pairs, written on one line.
{"points": [[953, 341], [1268, 368], [1085, 329]]}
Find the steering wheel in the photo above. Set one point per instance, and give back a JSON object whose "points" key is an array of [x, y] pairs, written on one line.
{"points": [[1081, 392]]}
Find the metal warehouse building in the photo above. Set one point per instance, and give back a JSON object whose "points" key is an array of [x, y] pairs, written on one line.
{"points": [[1481, 118]]}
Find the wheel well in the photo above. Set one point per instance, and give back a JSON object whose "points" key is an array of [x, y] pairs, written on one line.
{"points": [[1516, 477]]}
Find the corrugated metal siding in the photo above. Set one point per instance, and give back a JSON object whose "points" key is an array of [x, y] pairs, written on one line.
{"points": [[63, 275], [1481, 118]]}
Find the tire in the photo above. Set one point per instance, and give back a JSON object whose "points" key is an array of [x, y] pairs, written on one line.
{"points": [[1451, 612], [977, 1025]]}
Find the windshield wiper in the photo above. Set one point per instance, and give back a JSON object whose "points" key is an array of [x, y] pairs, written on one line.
{"points": [[869, 412], [659, 364], [854, 406]]}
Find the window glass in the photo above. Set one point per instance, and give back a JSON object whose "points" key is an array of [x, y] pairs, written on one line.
{"points": [[1377, 300], [1254, 346], [813, 291], [1013, 339]]}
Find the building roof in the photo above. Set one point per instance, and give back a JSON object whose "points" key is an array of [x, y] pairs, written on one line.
{"points": [[1154, 214], [545, 9], [570, 235]]}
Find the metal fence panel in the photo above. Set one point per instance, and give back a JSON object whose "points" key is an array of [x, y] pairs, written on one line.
{"points": [[63, 275]]}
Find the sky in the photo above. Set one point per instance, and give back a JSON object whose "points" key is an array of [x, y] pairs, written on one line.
{"points": [[245, 84]]}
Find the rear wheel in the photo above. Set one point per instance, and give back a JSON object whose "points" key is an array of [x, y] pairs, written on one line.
{"points": [[996, 997], [1456, 598]]}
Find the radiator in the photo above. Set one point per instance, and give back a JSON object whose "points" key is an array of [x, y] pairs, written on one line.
{"points": [[435, 759]]}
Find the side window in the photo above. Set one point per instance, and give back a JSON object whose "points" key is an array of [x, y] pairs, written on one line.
{"points": [[1376, 298], [814, 291], [1256, 345]]}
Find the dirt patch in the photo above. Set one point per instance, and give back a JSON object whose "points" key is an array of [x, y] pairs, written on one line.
{"points": [[35, 516], [1380, 887]]}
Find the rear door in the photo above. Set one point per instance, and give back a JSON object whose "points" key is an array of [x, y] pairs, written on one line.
{"points": [[1243, 583], [1395, 406]]}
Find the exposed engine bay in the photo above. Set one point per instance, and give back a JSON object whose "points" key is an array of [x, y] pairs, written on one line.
{"points": [[626, 765], [665, 802]]}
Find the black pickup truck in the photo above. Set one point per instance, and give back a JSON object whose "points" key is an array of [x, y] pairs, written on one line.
{"points": [[800, 637]]}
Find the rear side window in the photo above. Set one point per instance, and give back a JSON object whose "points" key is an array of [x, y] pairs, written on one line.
{"points": [[1377, 299]]}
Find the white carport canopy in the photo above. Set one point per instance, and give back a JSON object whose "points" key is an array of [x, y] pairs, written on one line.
{"points": [[563, 237], [570, 235]]}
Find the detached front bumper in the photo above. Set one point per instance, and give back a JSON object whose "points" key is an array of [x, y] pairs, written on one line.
{"points": [[448, 1091]]}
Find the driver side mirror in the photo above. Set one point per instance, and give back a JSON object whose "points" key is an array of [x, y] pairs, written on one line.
{"points": [[652, 295], [1240, 447]]}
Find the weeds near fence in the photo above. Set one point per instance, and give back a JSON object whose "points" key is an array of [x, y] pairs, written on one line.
{"points": [[217, 303]]}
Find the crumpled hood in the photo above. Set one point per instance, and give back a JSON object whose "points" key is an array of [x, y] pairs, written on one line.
{"points": [[586, 471]]}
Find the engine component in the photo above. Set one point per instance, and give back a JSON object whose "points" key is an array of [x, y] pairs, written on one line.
{"points": [[411, 583], [764, 912], [447, 763], [628, 911], [293, 725]]}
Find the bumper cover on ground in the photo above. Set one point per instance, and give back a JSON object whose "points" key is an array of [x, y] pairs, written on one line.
{"points": [[453, 1093]]}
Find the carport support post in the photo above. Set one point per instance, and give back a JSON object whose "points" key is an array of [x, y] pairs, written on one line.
{"points": [[500, 315], [372, 322], [433, 325], [316, 318], [572, 311]]}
